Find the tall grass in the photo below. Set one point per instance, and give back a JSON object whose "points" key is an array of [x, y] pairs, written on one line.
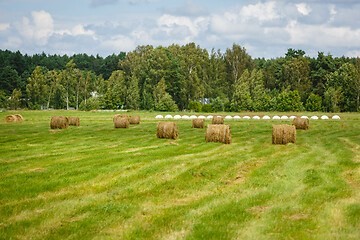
{"points": [[95, 181]]}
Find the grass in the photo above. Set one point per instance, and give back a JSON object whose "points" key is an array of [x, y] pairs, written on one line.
{"points": [[98, 182]]}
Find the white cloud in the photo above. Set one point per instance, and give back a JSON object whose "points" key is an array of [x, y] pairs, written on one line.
{"points": [[13, 43], [322, 35], [261, 11], [168, 23], [39, 29], [353, 53], [4, 26], [303, 8], [119, 43]]}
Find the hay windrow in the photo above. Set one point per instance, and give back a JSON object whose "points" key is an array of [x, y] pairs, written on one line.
{"points": [[59, 122], [121, 122], [198, 123], [218, 133], [217, 120], [283, 134], [167, 130], [134, 119], [301, 123], [74, 121]]}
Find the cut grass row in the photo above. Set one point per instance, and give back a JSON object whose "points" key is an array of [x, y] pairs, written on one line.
{"points": [[95, 181]]}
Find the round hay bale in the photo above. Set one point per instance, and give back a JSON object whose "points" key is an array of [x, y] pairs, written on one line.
{"points": [[19, 118], [236, 117], [59, 122], [167, 130], [121, 116], [121, 122], [134, 119], [159, 116], [10, 118], [301, 123], [335, 117], [283, 134], [218, 133], [198, 123], [177, 117], [74, 121], [218, 120], [266, 117], [247, 117]]}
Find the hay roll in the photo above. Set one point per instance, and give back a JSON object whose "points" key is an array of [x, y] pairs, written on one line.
{"points": [[59, 122], [217, 120], [218, 133], [167, 130], [134, 119], [121, 122], [198, 123], [301, 123], [10, 118], [74, 121], [121, 116], [19, 118], [283, 134]]}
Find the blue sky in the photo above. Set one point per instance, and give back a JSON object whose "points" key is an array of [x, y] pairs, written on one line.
{"points": [[265, 28]]}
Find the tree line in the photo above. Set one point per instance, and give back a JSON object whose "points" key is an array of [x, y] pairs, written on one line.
{"points": [[181, 77]]}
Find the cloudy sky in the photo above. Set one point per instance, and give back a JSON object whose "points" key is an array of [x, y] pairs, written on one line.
{"points": [[265, 28]]}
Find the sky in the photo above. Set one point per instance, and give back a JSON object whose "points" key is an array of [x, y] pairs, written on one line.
{"points": [[266, 28]]}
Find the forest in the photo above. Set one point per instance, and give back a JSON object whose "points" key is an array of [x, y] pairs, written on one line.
{"points": [[177, 77]]}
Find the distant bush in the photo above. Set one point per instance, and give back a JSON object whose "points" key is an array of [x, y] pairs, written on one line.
{"points": [[314, 103], [91, 104], [289, 101], [194, 106], [206, 108]]}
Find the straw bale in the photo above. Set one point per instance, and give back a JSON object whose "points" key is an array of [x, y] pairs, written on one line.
{"points": [[218, 133], [121, 116], [283, 134], [167, 130], [19, 118], [301, 123], [74, 121], [10, 118], [59, 122], [134, 119], [218, 120], [198, 123], [121, 122]]}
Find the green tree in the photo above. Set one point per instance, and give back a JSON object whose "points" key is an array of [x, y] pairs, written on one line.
{"points": [[14, 100], [313, 103], [296, 75], [116, 91], [133, 97], [163, 100], [332, 97], [195, 106], [237, 60], [289, 101], [69, 78], [242, 97], [37, 88], [3, 99]]}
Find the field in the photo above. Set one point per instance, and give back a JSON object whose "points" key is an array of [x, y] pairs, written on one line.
{"points": [[98, 182]]}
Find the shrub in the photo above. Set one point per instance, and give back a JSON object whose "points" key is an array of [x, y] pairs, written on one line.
{"points": [[289, 101], [313, 103], [194, 106], [206, 108], [91, 104]]}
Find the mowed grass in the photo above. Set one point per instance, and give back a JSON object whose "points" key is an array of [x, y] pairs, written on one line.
{"points": [[98, 182]]}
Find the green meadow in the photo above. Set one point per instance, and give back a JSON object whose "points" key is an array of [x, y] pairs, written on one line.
{"points": [[98, 182]]}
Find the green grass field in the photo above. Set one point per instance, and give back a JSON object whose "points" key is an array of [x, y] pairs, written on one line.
{"points": [[98, 182]]}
